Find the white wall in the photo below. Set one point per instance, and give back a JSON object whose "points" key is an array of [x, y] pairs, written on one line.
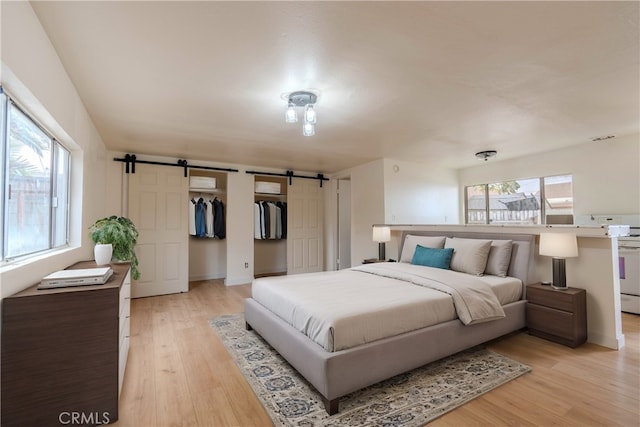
{"points": [[389, 191], [606, 174], [367, 208], [240, 190], [207, 258], [419, 194], [33, 74]]}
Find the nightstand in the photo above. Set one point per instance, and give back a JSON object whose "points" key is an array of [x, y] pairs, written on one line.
{"points": [[557, 315]]}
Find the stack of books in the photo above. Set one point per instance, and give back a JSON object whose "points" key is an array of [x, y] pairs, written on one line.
{"points": [[79, 277]]}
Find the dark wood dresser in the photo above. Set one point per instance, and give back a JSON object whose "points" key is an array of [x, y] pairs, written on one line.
{"points": [[557, 315], [64, 352]]}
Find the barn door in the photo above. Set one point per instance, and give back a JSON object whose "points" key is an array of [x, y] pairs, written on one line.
{"points": [[158, 207], [304, 227]]}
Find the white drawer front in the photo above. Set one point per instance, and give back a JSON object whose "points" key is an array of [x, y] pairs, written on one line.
{"points": [[125, 328], [122, 363], [124, 315], [125, 298]]}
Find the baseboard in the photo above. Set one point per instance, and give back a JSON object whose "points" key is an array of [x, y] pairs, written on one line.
{"points": [[206, 277], [233, 281], [615, 343]]}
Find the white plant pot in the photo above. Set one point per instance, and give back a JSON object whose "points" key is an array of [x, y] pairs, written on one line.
{"points": [[103, 253]]}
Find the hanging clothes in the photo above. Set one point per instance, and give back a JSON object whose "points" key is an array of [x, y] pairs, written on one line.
{"points": [[201, 227], [192, 217], [283, 218], [219, 222], [209, 219], [278, 222], [257, 220], [266, 213], [270, 220]]}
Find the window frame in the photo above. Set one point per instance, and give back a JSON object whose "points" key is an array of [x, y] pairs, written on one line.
{"points": [[58, 150], [543, 207]]}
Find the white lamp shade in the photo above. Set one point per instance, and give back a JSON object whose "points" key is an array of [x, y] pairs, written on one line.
{"points": [[381, 234], [559, 245]]}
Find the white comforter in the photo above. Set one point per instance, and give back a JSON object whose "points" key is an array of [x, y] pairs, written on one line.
{"points": [[343, 309]]}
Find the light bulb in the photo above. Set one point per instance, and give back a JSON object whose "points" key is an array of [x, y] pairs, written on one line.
{"points": [[310, 114], [308, 129], [291, 115]]}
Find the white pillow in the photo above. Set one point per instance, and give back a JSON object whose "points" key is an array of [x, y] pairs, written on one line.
{"points": [[469, 255], [499, 258], [410, 242]]}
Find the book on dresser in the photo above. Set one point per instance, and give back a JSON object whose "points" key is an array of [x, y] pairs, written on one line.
{"points": [[79, 277]]}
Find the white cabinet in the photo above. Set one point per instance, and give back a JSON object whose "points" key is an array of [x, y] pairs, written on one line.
{"points": [[125, 328]]}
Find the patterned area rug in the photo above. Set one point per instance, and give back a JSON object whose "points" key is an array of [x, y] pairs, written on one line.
{"points": [[410, 399]]}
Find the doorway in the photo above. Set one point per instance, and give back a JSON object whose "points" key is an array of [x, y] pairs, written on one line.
{"points": [[344, 223]]}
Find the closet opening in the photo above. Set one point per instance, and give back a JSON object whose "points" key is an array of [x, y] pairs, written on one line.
{"points": [[270, 226], [207, 203]]}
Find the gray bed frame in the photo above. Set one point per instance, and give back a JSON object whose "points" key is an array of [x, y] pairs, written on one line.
{"points": [[335, 374]]}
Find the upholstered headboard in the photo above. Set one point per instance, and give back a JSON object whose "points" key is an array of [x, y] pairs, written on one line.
{"points": [[522, 253]]}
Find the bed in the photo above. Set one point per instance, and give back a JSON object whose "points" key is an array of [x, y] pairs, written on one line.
{"points": [[344, 330]]}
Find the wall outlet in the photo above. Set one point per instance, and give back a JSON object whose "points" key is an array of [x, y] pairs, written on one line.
{"points": [[246, 265]]}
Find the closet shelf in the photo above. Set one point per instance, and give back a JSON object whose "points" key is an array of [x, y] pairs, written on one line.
{"points": [[270, 194], [206, 190]]}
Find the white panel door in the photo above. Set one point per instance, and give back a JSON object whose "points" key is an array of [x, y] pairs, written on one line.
{"points": [[158, 207], [304, 227]]}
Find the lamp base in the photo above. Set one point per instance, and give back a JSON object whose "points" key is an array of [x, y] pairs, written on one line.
{"points": [[381, 254], [559, 274]]}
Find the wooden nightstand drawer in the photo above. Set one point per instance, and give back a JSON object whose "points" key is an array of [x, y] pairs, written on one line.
{"points": [[547, 296], [557, 315], [552, 321]]}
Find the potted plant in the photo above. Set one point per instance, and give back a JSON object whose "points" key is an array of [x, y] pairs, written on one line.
{"points": [[122, 234]]}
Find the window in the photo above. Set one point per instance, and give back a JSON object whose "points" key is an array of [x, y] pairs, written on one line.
{"points": [[35, 185], [546, 200]]}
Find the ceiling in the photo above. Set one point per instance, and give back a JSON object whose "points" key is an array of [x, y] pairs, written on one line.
{"points": [[414, 81]]}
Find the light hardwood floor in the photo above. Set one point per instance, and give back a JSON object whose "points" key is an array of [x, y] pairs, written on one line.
{"points": [[179, 373]]}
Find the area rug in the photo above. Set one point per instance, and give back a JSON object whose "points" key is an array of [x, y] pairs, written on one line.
{"points": [[410, 399]]}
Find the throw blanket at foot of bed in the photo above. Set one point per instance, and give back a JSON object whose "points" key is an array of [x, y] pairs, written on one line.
{"points": [[474, 300]]}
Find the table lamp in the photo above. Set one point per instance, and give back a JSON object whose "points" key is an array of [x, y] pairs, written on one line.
{"points": [[559, 246], [381, 235]]}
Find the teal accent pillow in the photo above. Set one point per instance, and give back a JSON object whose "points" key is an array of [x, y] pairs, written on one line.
{"points": [[432, 257]]}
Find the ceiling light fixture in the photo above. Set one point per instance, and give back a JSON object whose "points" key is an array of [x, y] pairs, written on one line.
{"points": [[306, 99], [484, 155]]}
